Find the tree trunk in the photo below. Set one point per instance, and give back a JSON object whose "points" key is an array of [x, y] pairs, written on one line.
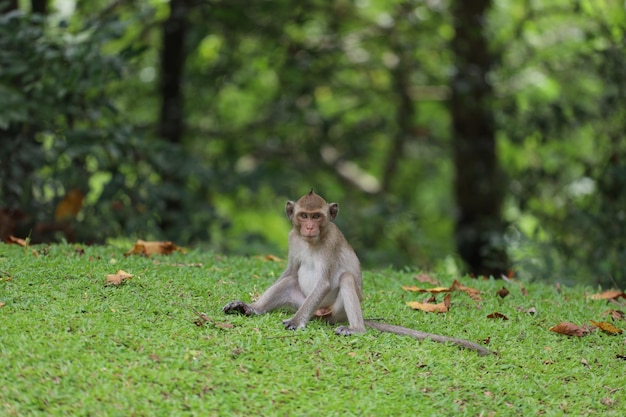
{"points": [[171, 122], [9, 6], [172, 64], [479, 183], [39, 6]]}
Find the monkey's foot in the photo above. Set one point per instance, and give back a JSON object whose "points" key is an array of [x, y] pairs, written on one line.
{"points": [[291, 324], [238, 307], [347, 331]]}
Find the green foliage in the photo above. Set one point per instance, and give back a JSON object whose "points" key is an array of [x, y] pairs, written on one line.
{"points": [[347, 97], [72, 346], [562, 141], [63, 130]]}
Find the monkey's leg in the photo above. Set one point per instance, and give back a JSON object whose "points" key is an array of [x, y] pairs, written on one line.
{"points": [[349, 305], [308, 307], [283, 293]]}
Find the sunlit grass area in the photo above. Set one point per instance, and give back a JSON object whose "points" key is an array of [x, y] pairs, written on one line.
{"points": [[159, 344]]}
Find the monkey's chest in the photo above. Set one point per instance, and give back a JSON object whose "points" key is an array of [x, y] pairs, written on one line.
{"points": [[309, 274]]}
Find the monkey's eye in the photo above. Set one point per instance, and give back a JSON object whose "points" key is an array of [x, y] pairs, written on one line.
{"points": [[303, 215], [315, 216]]}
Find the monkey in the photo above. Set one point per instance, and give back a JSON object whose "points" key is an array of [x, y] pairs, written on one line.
{"points": [[323, 278]]}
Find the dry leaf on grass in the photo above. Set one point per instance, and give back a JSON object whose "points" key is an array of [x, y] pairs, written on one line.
{"points": [[272, 258], [427, 279], [502, 292], [606, 327], [16, 240], [472, 292], [456, 286], [431, 308], [204, 318], [117, 278], [615, 314], [609, 295], [2, 304], [435, 290], [496, 315], [143, 247], [569, 329]]}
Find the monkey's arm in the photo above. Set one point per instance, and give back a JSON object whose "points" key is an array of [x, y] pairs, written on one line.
{"points": [[403, 331], [311, 303]]}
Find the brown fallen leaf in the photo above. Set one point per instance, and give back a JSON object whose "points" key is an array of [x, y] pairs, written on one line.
{"points": [[585, 363], [431, 308], [16, 241], [569, 329], [143, 247], [609, 295], [272, 258], [496, 315], [615, 314], [117, 278], [202, 318], [472, 292], [431, 299], [606, 327], [426, 279], [434, 290], [502, 292], [2, 304]]}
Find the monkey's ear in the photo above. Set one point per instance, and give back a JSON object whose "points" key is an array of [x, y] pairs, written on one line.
{"points": [[333, 209], [289, 209]]}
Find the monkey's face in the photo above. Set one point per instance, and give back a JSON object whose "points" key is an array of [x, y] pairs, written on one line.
{"points": [[310, 215], [310, 224]]}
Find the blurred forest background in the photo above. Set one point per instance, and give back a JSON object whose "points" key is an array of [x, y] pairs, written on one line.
{"points": [[481, 136]]}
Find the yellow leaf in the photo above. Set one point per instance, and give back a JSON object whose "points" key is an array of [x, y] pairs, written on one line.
{"points": [[431, 308], [435, 290], [606, 327]]}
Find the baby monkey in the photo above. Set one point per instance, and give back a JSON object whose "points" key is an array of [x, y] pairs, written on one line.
{"points": [[323, 278]]}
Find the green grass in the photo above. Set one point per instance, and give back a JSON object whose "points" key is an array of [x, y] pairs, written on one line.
{"points": [[69, 345]]}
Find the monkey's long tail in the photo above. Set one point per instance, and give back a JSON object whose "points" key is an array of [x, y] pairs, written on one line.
{"points": [[403, 331]]}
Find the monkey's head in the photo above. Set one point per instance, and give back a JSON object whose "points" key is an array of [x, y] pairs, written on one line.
{"points": [[310, 215]]}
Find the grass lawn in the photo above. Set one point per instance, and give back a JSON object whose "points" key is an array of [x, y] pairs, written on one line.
{"points": [[159, 344]]}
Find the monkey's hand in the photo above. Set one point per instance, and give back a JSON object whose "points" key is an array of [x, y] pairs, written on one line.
{"points": [[238, 307], [293, 324], [346, 331]]}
